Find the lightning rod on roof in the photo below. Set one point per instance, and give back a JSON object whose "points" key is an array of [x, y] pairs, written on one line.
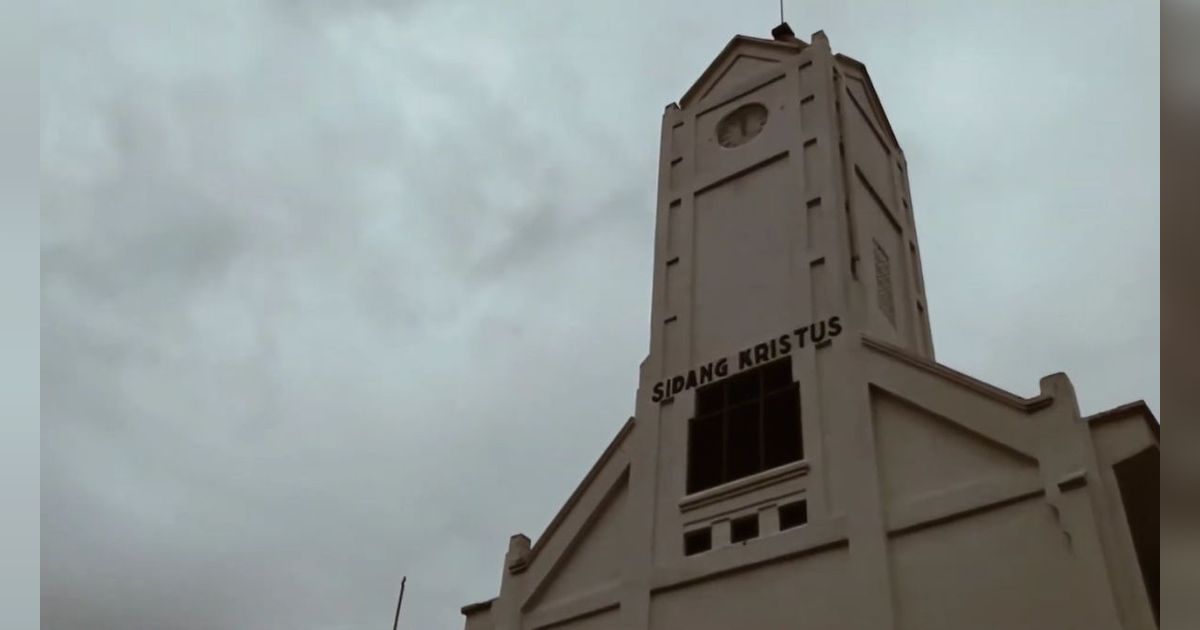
{"points": [[399, 601]]}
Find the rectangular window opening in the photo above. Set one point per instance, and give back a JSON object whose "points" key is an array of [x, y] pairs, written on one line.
{"points": [[743, 528], [697, 541], [793, 515], [744, 424]]}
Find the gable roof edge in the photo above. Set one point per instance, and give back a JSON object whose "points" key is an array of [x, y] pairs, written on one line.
{"points": [[1027, 405], [579, 490], [692, 92]]}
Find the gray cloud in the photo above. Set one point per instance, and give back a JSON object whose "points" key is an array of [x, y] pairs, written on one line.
{"points": [[316, 273]]}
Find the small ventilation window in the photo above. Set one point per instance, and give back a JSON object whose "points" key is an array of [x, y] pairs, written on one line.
{"points": [[743, 528], [697, 541], [793, 515]]}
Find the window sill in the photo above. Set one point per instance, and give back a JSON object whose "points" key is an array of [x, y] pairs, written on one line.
{"points": [[743, 485]]}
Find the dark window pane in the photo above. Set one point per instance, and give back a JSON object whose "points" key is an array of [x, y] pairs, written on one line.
{"points": [[743, 387], [710, 399], [743, 528], [748, 422], [781, 428], [743, 443], [793, 515], [777, 374], [697, 541], [704, 453]]}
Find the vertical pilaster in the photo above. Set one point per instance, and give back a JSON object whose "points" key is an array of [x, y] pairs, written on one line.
{"points": [[847, 405], [644, 460]]}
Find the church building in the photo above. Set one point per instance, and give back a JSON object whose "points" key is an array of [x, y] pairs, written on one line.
{"points": [[798, 458]]}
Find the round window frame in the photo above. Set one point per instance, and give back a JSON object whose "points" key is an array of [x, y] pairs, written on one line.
{"points": [[731, 119]]}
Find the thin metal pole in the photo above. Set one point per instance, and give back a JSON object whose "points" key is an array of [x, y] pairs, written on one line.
{"points": [[396, 621], [781, 11]]}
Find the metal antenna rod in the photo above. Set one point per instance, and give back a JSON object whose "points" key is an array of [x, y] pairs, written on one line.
{"points": [[396, 621], [781, 11]]}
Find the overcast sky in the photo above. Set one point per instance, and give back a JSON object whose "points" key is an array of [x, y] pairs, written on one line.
{"points": [[337, 292]]}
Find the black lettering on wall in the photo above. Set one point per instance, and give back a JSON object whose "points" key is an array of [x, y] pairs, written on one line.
{"points": [[744, 360], [818, 332], [706, 373], [753, 356], [800, 332]]}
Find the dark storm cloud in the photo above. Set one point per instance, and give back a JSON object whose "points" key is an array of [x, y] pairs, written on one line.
{"points": [[314, 273]]}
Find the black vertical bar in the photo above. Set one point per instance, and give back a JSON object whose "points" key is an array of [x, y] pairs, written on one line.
{"points": [[762, 409], [725, 438], [799, 417]]}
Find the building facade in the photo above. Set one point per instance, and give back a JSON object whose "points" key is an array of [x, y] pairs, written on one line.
{"points": [[797, 458]]}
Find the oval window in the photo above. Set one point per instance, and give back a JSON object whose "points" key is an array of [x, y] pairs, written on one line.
{"points": [[741, 125]]}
